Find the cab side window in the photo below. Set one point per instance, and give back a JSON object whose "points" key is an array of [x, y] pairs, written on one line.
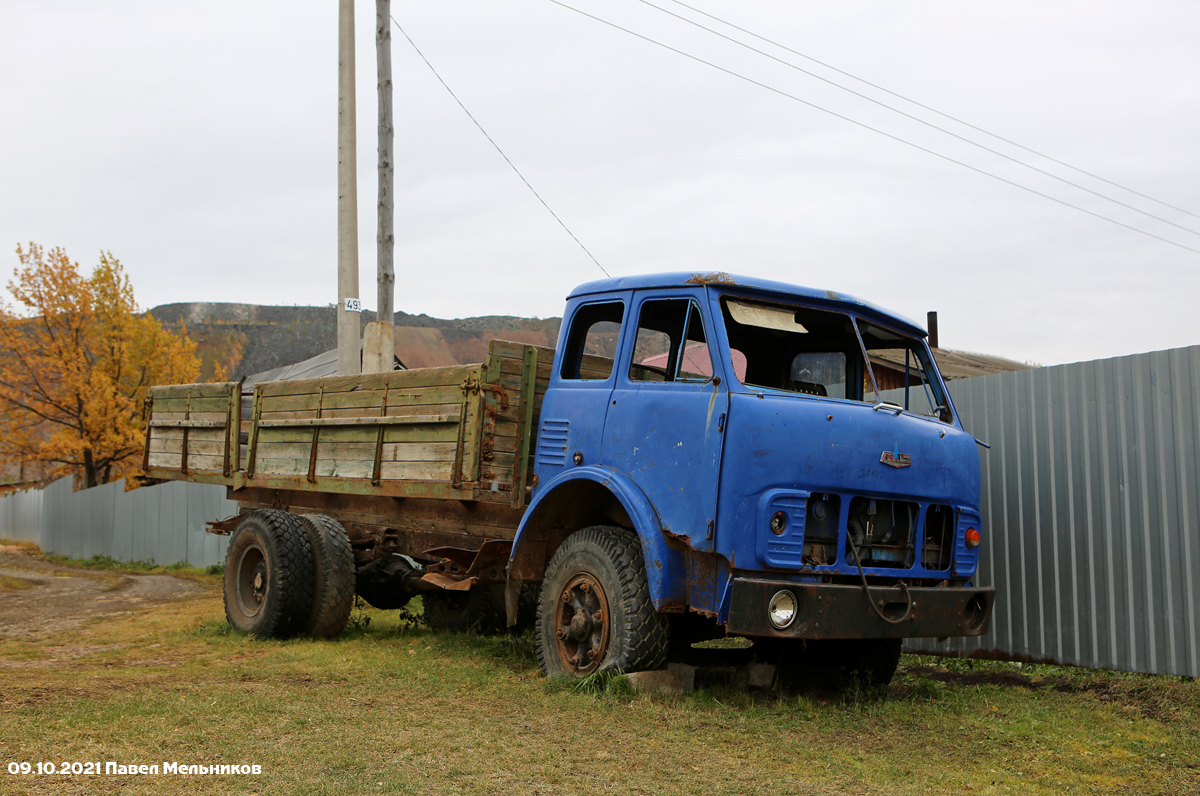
{"points": [[592, 342], [671, 345]]}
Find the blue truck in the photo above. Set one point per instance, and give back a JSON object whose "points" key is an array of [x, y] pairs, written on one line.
{"points": [[703, 455]]}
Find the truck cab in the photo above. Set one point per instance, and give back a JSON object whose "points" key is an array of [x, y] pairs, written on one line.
{"points": [[787, 460]]}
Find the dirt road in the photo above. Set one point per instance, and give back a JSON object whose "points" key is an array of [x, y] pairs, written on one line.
{"points": [[62, 598]]}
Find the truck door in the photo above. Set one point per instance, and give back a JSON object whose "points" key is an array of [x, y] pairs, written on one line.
{"points": [[667, 415]]}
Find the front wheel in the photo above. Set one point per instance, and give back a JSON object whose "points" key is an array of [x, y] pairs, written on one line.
{"points": [[594, 612]]}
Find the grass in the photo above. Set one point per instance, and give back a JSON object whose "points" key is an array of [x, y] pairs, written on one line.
{"points": [[390, 707], [182, 569], [9, 583]]}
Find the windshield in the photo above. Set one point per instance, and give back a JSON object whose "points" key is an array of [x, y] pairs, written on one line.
{"points": [[818, 352]]}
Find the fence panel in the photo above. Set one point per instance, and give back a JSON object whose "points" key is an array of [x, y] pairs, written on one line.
{"points": [[21, 516], [1091, 507], [163, 523]]}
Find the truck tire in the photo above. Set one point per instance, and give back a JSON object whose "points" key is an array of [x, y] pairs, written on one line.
{"points": [[268, 581], [333, 575], [478, 610], [595, 612]]}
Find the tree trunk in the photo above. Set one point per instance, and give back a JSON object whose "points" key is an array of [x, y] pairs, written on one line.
{"points": [[89, 470]]}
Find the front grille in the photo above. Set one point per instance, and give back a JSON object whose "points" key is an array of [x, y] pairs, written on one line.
{"points": [[939, 538], [884, 532], [822, 519], [891, 535]]}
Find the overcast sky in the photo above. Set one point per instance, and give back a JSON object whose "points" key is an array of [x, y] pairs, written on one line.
{"points": [[197, 143]]}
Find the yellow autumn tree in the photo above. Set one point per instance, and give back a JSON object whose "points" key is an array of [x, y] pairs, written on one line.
{"points": [[76, 358]]}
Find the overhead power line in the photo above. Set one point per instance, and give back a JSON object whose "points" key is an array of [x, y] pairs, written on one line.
{"points": [[910, 116], [944, 115], [492, 141], [876, 130]]}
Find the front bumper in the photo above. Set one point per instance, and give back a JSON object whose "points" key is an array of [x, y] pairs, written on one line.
{"points": [[829, 611]]}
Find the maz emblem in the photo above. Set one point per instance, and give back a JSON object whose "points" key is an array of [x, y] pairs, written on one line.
{"points": [[894, 458]]}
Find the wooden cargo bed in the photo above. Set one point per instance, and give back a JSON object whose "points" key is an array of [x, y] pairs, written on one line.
{"points": [[462, 432]]}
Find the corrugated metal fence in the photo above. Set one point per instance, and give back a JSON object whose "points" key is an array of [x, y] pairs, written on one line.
{"points": [[1091, 506], [163, 523]]}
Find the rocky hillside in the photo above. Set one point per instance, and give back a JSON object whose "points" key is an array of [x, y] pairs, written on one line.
{"points": [[249, 338]]}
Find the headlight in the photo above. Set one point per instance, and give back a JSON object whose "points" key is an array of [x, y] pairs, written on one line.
{"points": [[782, 609]]}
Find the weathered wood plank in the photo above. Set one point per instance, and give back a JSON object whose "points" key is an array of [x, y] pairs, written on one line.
{"points": [[363, 399], [334, 422], [180, 417], [430, 410], [419, 377], [204, 462], [219, 389], [195, 461], [419, 452], [199, 446], [267, 465], [164, 460], [442, 432], [390, 471], [364, 451], [351, 451], [416, 471], [192, 433], [198, 404], [188, 423], [506, 428]]}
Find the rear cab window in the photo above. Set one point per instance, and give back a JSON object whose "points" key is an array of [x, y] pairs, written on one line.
{"points": [[592, 341]]}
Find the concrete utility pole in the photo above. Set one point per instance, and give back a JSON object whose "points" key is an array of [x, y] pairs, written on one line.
{"points": [[349, 362], [379, 345]]}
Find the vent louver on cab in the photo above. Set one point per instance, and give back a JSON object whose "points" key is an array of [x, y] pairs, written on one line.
{"points": [[552, 442]]}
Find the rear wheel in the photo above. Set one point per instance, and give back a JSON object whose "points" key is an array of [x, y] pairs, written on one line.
{"points": [[595, 612], [333, 575], [268, 581]]}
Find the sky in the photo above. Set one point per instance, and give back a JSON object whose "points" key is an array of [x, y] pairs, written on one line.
{"points": [[197, 143]]}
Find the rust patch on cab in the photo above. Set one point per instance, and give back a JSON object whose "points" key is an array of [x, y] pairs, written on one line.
{"points": [[711, 278]]}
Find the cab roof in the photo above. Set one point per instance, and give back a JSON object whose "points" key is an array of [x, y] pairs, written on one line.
{"points": [[721, 279]]}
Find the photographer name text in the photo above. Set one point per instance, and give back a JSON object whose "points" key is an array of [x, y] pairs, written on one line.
{"points": [[113, 768]]}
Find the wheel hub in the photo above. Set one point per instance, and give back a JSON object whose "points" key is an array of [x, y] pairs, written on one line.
{"points": [[581, 624], [260, 582], [251, 578]]}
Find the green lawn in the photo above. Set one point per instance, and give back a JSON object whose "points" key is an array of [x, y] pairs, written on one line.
{"points": [[391, 708]]}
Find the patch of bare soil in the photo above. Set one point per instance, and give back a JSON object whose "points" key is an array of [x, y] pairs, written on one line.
{"points": [[63, 598]]}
